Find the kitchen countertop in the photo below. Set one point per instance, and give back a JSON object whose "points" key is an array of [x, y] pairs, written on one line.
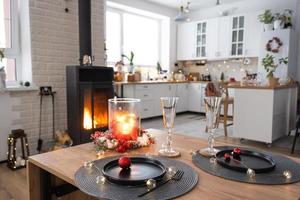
{"points": [[263, 87], [157, 82]]}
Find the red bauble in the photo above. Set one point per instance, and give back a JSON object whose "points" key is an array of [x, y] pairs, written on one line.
{"points": [[227, 157], [124, 162]]}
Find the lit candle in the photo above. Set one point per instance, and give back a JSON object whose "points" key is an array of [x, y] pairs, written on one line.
{"points": [[125, 126]]}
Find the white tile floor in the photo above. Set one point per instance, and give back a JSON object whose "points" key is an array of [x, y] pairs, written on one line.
{"points": [[190, 124]]}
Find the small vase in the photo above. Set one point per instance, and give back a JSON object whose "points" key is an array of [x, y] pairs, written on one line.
{"points": [[273, 82], [131, 69], [268, 27], [278, 25]]}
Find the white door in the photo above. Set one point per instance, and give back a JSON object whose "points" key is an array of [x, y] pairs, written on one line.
{"points": [[186, 39]]}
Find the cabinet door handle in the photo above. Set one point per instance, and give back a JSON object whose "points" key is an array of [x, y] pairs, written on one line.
{"points": [[145, 109], [145, 95], [145, 86]]}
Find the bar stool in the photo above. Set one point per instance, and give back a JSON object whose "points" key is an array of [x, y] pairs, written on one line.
{"points": [[226, 102]]}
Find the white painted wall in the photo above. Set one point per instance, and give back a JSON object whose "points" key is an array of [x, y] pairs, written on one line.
{"points": [[161, 10]]}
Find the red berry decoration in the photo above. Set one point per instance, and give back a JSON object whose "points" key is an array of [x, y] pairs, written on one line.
{"points": [[120, 149], [227, 157], [236, 153], [124, 162], [237, 150]]}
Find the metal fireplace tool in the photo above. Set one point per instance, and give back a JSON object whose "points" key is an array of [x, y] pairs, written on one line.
{"points": [[45, 91]]}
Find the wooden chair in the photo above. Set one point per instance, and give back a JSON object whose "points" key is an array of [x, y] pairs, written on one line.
{"points": [[226, 102], [297, 133]]}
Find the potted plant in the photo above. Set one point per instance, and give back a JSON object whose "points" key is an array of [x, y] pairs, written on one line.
{"points": [[267, 19], [2, 71], [130, 60], [278, 21], [270, 67], [287, 18], [158, 68]]}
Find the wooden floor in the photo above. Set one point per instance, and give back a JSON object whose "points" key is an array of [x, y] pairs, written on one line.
{"points": [[13, 184]]}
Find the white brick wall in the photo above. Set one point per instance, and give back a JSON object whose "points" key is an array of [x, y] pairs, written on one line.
{"points": [[55, 44]]}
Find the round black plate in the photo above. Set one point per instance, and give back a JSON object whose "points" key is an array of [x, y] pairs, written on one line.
{"points": [[259, 162], [140, 171]]}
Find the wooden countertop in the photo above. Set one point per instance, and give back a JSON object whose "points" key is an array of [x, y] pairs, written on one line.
{"points": [[157, 82], [263, 87], [64, 163]]}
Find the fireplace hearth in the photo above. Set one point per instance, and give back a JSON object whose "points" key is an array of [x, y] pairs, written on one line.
{"points": [[88, 91]]}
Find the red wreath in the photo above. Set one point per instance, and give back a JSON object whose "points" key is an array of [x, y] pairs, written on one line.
{"points": [[278, 43]]}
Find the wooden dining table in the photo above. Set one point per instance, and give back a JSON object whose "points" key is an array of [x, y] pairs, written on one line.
{"points": [[52, 174]]}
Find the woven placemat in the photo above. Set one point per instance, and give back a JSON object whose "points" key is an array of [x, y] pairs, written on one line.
{"points": [[86, 182], [271, 178]]}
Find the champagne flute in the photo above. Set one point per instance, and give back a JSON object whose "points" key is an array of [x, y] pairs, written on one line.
{"points": [[212, 112], [168, 106]]}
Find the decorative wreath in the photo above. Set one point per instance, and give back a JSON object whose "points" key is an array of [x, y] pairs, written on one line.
{"points": [[278, 43]]}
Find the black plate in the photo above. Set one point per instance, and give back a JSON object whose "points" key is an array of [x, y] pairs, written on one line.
{"points": [[140, 171], [259, 162]]}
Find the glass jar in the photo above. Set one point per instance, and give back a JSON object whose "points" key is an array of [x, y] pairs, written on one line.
{"points": [[124, 118]]}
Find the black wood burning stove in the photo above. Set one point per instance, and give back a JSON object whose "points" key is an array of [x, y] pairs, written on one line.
{"points": [[88, 91]]}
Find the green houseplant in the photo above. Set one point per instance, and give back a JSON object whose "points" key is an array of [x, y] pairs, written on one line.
{"points": [[267, 19], [287, 18], [270, 67], [130, 60]]}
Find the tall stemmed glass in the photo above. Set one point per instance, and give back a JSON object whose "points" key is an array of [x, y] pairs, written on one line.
{"points": [[212, 109], [168, 106]]}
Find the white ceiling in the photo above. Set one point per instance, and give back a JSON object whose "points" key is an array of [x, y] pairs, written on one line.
{"points": [[195, 4]]}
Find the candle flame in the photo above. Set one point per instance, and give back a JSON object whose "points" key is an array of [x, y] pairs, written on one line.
{"points": [[87, 119]]}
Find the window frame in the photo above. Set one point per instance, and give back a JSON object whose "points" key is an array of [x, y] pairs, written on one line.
{"points": [[14, 52], [121, 12]]}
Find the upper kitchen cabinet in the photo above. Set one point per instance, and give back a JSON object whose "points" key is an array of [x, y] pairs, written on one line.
{"points": [[201, 39], [245, 35], [253, 30], [220, 38], [221, 42], [186, 33], [237, 36]]}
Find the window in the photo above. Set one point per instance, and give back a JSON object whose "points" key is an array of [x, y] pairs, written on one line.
{"points": [[129, 31], [9, 39]]}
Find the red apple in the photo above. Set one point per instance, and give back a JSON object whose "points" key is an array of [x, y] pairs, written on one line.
{"points": [[124, 162]]}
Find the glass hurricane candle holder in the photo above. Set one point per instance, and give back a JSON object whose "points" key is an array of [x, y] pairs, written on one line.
{"points": [[212, 112], [124, 118]]}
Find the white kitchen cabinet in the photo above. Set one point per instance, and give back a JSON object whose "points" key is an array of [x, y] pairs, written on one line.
{"points": [[186, 33], [253, 30], [223, 38], [194, 97], [237, 44], [201, 39], [212, 38], [182, 93], [220, 38]]}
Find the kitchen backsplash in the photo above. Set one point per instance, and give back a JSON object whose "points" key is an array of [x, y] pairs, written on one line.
{"points": [[232, 68]]}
